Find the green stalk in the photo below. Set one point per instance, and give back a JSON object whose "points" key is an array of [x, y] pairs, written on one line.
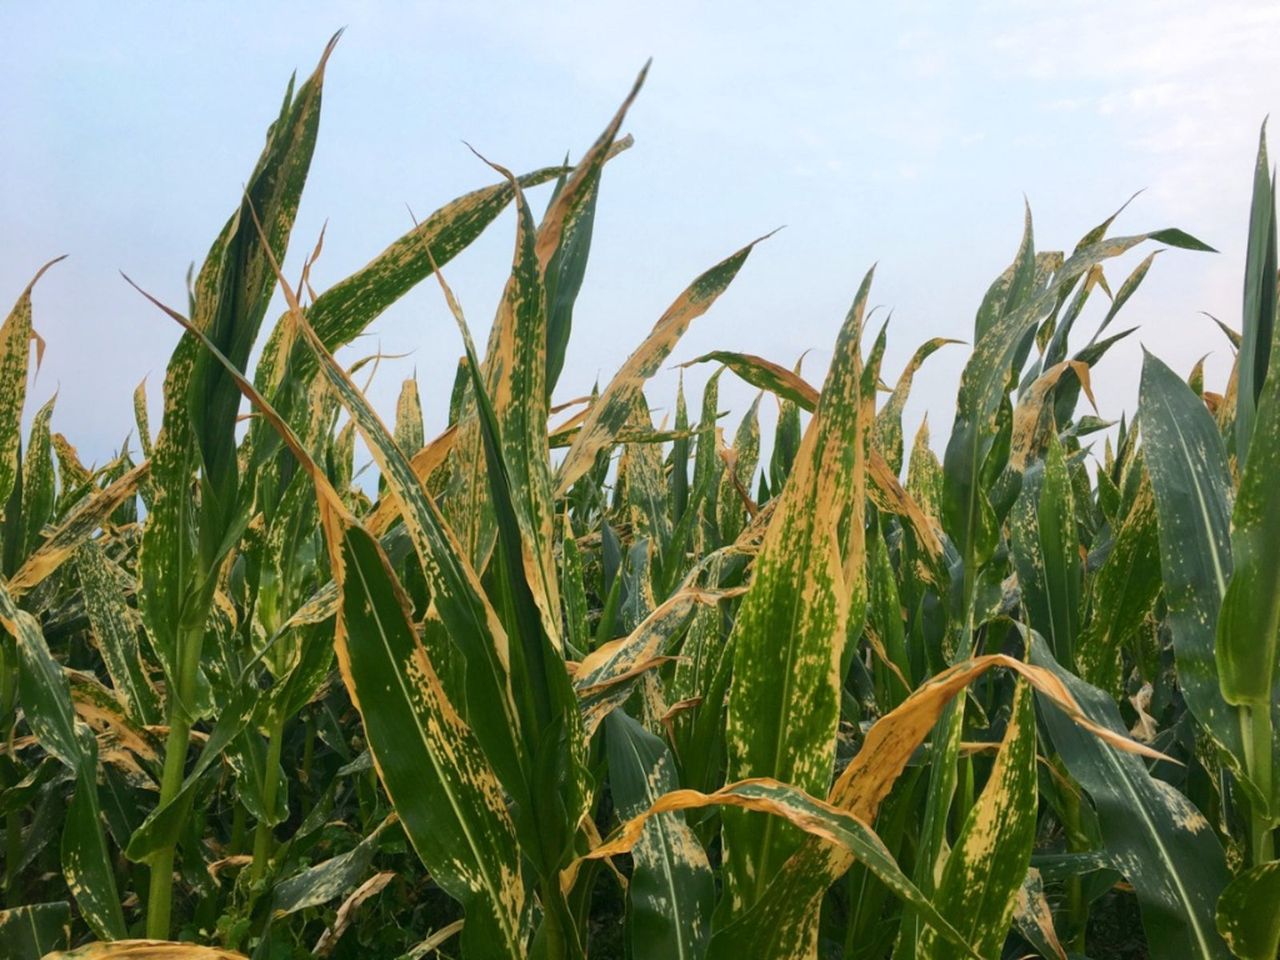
{"points": [[557, 937], [160, 899], [1256, 726], [1077, 907], [262, 838]]}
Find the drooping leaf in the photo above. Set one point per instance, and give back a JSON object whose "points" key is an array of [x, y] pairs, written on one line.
{"points": [[805, 813], [785, 917], [145, 950]]}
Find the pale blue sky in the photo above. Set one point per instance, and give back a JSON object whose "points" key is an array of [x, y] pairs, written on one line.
{"points": [[903, 133]]}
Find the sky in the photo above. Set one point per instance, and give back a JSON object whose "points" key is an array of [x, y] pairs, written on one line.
{"points": [[905, 135]]}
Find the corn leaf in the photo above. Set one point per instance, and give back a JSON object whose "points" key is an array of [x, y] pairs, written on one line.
{"points": [[805, 813], [672, 890], [610, 411], [145, 950], [1248, 629], [1259, 310], [46, 700], [791, 628], [785, 917], [15, 352], [1189, 479], [988, 861], [1246, 914], [116, 633], [1156, 837], [1046, 552], [31, 932]]}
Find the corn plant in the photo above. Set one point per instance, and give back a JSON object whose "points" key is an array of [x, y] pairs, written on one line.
{"points": [[564, 682]]}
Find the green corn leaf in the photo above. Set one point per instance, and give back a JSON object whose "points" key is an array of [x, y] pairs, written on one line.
{"points": [[232, 291], [515, 370], [887, 432], [672, 889], [573, 591], [815, 818], [1191, 485], [116, 633], [564, 236], [610, 411], [1259, 311], [791, 628], [1248, 634], [1156, 837], [141, 418], [1046, 552], [1247, 916], [786, 443], [74, 479], [459, 599], [409, 433], [1121, 595], [967, 514], [678, 484], [429, 762], [641, 471], [16, 335], [924, 473], [1127, 289], [31, 932], [1010, 290], [707, 464], [988, 861], [330, 879], [1056, 351], [46, 700], [736, 479], [884, 628], [37, 481]]}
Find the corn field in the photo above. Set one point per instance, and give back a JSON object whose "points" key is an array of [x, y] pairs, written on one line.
{"points": [[572, 681]]}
